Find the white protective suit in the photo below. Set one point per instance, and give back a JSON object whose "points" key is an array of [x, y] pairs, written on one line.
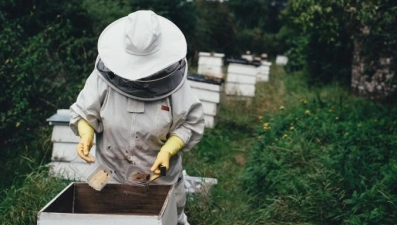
{"points": [[130, 131]]}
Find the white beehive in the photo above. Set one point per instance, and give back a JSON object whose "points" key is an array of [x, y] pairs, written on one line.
{"points": [[210, 64], [248, 56], [281, 60], [263, 71], [209, 93], [64, 143], [115, 204], [241, 80]]}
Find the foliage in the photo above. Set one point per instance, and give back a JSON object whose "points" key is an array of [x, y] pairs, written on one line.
{"points": [[373, 23], [45, 47], [322, 35], [327, 161], [257, 32], [216, 28], [319, 40]]}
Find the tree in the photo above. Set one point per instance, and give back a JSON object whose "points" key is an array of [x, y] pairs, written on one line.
{"points": [[333, 39], [45, 47]]}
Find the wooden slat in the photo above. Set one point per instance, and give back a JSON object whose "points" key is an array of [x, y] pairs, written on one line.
{"points": [[210, 61], [206, 95], [205, 86], [212, 54], [210, 70], [241, 78], [281, 60], [246, 90], [262, 77], [263, 69], [63, 133], [210, 108], [265, 73], [209, 121], [241, 69], [266, 63]]}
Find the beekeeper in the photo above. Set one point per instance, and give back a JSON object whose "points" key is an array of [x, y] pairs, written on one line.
{"points": [[138, 103]]}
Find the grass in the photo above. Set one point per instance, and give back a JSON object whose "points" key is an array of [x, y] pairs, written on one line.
{"points": [[21, 203], [225, 153]]}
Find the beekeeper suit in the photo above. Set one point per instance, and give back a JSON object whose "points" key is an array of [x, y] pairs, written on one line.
{"points": [[138, 103]]}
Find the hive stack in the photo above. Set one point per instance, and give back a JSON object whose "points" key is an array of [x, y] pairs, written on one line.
{"points": [[241, 78], [211, 64], [263, 71], [64, 147], [209, 93], [281, 60], [207, 84]]}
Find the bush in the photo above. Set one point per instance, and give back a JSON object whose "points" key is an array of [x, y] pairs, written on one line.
{"points": [[326, 162], [322, 36], [45, 49]]}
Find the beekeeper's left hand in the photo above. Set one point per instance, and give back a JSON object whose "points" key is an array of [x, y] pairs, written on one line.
{"points": [[86, 133], [172, 146]]}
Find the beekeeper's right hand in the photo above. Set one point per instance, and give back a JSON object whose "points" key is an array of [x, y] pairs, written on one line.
{"points": [[86, 133]]}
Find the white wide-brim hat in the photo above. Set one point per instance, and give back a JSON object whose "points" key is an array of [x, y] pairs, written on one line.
{"points": [[141, 44]]}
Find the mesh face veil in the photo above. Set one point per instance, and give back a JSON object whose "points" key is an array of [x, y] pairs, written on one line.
{"points": [[155, 86]]}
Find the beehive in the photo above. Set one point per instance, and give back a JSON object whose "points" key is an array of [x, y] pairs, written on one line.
{"points": [[209, 93], [210, 63], [64, 143], [117, 204], [281, 60], [263, 71], [241, 80]]}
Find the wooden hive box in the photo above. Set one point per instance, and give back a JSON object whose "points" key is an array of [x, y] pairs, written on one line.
{"points": [[64, 143], [263, 71], [210, 63], [241, 80], [281, 60], [115, 204]]}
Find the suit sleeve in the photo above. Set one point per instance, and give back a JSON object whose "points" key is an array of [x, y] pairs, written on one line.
{"points": [[188, 117], [88, 103]]}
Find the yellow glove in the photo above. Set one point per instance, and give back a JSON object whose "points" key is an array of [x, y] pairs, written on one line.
{"points": [[170, 148], [86, 133]]}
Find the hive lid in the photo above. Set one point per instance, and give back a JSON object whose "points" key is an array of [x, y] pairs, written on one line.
{"points": [[243, 61], [204, 79], [61, 117]]}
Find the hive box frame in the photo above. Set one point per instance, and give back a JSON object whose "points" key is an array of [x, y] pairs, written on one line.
{"points": [[115, 204]]}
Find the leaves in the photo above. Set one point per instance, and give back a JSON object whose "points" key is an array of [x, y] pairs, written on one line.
{"points": [[323, 32], [326, 170]]}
